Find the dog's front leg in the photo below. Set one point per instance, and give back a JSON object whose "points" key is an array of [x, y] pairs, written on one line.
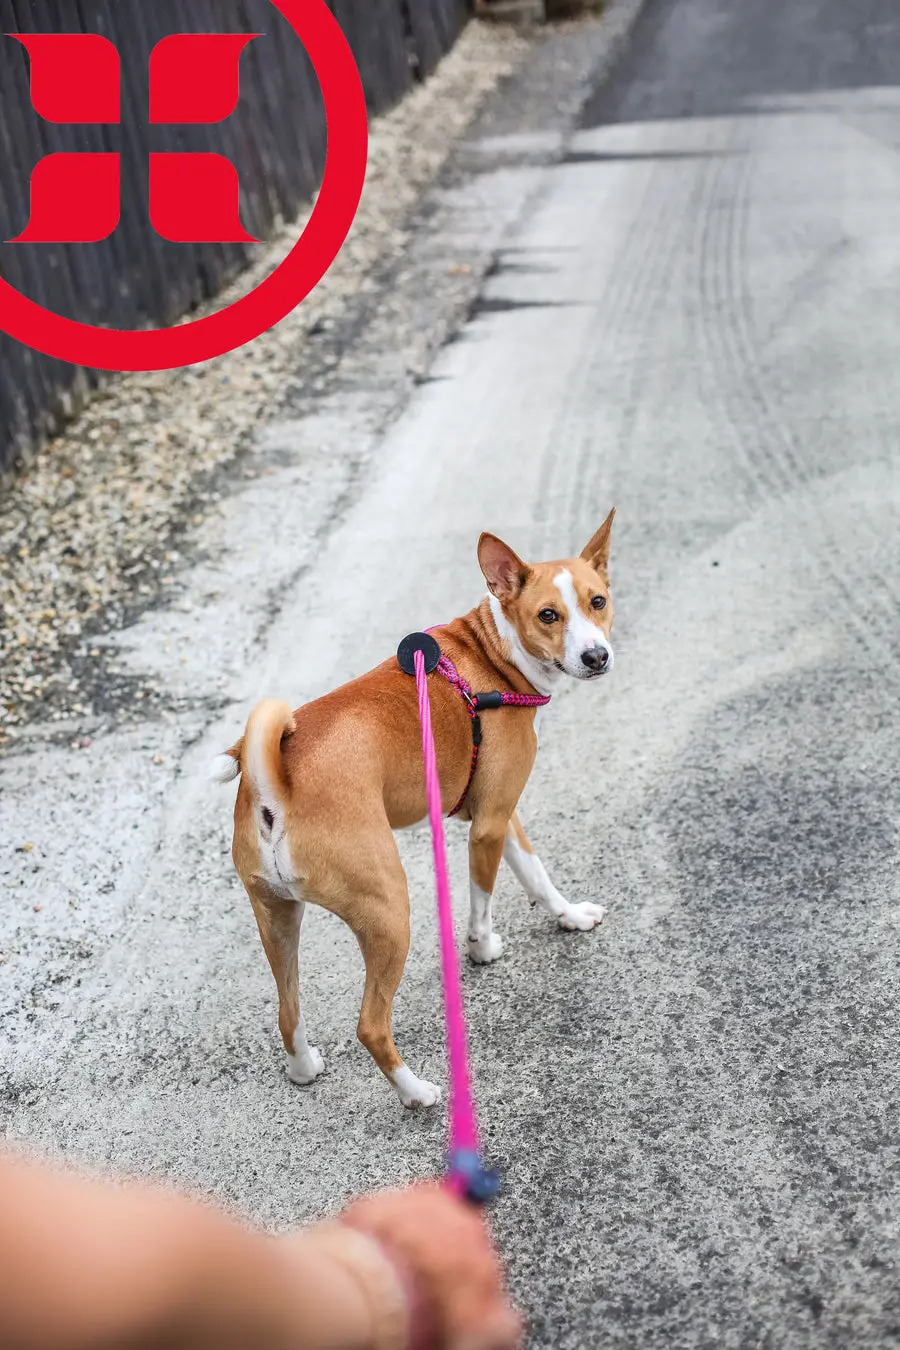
{"points": [[486, 838], [532, 876]]}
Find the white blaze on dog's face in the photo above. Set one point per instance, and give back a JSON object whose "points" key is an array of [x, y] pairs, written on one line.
{"points": [[555, 616]]}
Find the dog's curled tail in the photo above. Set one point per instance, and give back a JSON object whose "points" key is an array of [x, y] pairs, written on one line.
{"points": [[258, 753]]}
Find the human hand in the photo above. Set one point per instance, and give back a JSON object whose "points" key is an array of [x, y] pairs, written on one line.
{"points": [[443, 1250]]}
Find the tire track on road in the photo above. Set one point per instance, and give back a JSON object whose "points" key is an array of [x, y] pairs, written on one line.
{"points": [[783, 460]]}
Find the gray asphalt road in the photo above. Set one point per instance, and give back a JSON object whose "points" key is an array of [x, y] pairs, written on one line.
{"points": [[693, 316]]}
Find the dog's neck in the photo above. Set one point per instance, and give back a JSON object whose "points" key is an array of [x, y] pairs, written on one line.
{"points": [[505, 642]]}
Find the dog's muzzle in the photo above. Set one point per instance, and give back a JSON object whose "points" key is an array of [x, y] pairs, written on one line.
{"points": [[596, 660]]}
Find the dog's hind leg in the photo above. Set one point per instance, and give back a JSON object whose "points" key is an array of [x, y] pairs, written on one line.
{"points": [[383, 936], [532, 876], [369, 892], [279, 927]]}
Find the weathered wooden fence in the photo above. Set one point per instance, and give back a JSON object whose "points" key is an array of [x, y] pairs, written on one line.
{"points": [[276, 138]]}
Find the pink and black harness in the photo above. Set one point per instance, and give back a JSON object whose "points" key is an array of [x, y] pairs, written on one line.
{"points": [[479, 703], [419, 655]]}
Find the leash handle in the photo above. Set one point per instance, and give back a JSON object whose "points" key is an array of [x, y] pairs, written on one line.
{"points": [[466, 1174]]}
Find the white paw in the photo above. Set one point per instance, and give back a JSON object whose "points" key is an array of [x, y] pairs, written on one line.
{"points": [[581, 918], [415, 1092], [485, 950], [306, 1068]]}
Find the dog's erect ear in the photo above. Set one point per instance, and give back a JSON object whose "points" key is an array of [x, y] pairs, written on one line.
{"points": [[597, 551], [504, 571]]}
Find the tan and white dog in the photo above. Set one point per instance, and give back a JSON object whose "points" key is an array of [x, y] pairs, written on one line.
{"points": [[323, 788]]}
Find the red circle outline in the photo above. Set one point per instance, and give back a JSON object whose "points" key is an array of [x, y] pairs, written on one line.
{"points": [[273, 299]]}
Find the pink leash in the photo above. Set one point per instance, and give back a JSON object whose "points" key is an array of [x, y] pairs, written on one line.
{"points": [[465, 1171]]}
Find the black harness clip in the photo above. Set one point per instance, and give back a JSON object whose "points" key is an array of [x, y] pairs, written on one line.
{"points": [[484, 702]]}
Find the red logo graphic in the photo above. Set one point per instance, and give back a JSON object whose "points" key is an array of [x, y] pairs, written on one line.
{"points": [[194, 198], [76, 78]]}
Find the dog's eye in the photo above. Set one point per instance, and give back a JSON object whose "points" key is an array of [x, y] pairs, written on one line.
{"points": [[599, 602], [548, 615]]}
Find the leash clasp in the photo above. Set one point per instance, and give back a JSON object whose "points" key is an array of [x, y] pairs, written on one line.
{"points": [[477, 1183]]}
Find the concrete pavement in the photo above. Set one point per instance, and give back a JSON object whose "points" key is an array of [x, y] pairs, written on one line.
{"points": [[693, 316]]}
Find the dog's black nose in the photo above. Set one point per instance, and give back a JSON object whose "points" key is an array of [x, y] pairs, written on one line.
{"points": [[596, 658]]}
